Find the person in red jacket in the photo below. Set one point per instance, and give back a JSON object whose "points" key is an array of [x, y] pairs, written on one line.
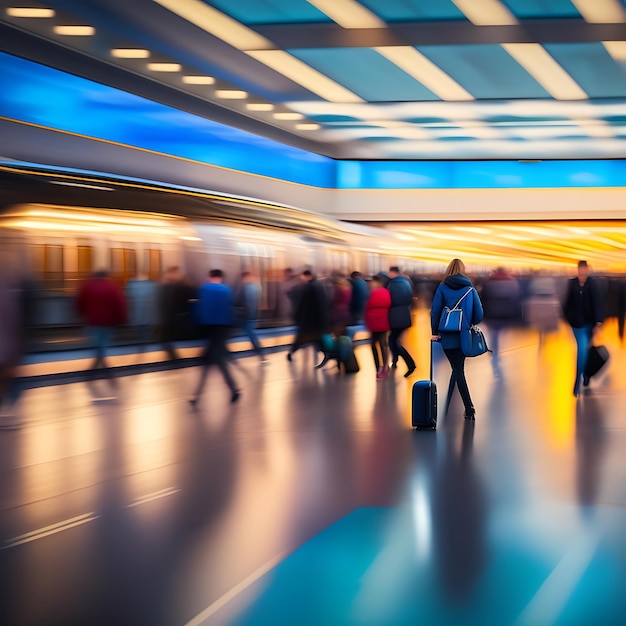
{"points": [[377, 322], [101, 305]]}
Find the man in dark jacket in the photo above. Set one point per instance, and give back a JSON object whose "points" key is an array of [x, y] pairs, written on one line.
{"points": [[401, 292], [215, 315], [101, 304], [360, 295], [501, 302], [311, 313], [583, 309], [174, 308]]}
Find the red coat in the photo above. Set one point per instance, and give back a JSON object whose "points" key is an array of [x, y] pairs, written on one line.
{"points": [[100, 302], [377, 311]]}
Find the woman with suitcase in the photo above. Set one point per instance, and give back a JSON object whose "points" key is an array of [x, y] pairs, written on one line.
{"points": [[455, 299]]}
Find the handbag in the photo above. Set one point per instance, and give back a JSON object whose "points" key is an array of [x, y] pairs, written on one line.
{"points": [[473, 342], [451, 319]]}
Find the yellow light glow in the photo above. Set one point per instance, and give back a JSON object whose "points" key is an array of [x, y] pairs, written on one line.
{"points": [[308, 126], [348, 13], [601, 11], [545, 70], [486, 12], [231, 94], [217, 24], [415, 64], [288, 116], [30, 12], [164, 67], [75, 31], [304, 75], [617, 49], [130, 53], [259, 106], [199, 80]]}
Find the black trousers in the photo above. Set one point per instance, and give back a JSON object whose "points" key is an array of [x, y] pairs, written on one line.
{"points": [[457, 378], [379, 343], [397, 349], [216, 353]]}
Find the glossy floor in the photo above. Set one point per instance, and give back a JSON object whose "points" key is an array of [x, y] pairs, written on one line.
{"points": [[312, 502]]}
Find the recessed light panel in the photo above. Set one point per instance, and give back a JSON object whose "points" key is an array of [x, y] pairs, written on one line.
{"points": [[75, 31], [30, 12], [199, 80], [130, 53]]}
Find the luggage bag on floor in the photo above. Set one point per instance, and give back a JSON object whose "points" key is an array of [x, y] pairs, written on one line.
{"points": [[346, 356], [424, 401], [596, 360]]}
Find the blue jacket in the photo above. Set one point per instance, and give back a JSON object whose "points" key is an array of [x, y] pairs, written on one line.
{"points": [[360, 296], [448, 293], [401, 292], [215, 305]]}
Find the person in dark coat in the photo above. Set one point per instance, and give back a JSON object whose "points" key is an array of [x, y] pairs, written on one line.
{"points": [[360, 296], [501, 301], [216, 316], [174, 300], [377, 322], [311, 313], [340, 317], [455, 288], [101, 304], [401, 292], [583, 309]]}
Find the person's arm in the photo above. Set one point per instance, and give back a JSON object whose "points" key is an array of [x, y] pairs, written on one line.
{"points": [[477, 308], [435, 313]]}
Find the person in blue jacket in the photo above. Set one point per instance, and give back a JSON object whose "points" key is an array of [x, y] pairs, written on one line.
{"points": [[401, 291], [455, 287], [214, 311]]}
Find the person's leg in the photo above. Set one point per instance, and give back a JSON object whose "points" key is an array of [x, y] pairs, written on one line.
{"points": [[249, 328], [384, 351], [457, 362], [583, 339], [393, 345], [375, 341], [221, 360], [298, 342], [408, 359]]}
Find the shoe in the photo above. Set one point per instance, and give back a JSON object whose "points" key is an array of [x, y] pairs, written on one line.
{"points": [[394, 364], [193, 402], [409, 371], [379, 374], [289, 357], [585, 381], [384, 375], [470, 414], [235, 396]]}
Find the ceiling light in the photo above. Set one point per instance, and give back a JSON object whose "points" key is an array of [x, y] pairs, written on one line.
{"points": [[601, 11], [259, 106], [486, 12], [217, 24], [199, 80], [308, 126], [164, 67], [304, 75], [425, 71], [29, 12], [545, 70], [231, 94], [617, 49], [75, 31], [288, 116], [348, 13], [130, 53]]}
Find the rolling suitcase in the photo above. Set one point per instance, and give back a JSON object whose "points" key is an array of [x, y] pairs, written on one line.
{"points": [[596, 360], [346, 356], [424, 401]]}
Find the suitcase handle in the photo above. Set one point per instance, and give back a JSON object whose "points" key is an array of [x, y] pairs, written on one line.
{"points": [[432, 341]]}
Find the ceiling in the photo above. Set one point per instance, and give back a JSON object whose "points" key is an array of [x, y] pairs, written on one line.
{"points": [[373, 79]]}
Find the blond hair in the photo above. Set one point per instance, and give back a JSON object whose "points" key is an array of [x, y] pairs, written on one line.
{"points": [[456, 266]]}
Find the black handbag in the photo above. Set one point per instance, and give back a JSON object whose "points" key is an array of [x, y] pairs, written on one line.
{"points": [[473, 342]]}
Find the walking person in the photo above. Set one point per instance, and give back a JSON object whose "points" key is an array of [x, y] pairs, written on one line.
{"points": [[501, 301], [311, 313], [174, 309], [247, 305], [215, 315], [360, 296], [376, 319], [101, 304], [456, 290], [583, 309], [401, 292]]}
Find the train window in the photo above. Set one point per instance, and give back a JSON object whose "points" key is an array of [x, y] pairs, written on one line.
{"points": [[85, 262], [123, 264], [48, 262], [152, 264]]}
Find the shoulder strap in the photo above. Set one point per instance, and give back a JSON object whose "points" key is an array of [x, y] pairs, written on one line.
{"points": [[456, 306]]}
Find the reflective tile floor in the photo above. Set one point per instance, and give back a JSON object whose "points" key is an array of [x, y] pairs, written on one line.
{"points": [[312, 502]]}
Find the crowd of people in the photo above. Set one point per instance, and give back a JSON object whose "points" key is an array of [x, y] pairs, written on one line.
{"points": [[319, 308]]}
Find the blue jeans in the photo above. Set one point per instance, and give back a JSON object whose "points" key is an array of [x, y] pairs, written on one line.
{"points": [[249, 327], [101, 337], [583, 340]]}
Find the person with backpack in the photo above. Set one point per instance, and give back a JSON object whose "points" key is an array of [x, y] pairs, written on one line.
{"points": [[401, 292], [455, 293]]}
